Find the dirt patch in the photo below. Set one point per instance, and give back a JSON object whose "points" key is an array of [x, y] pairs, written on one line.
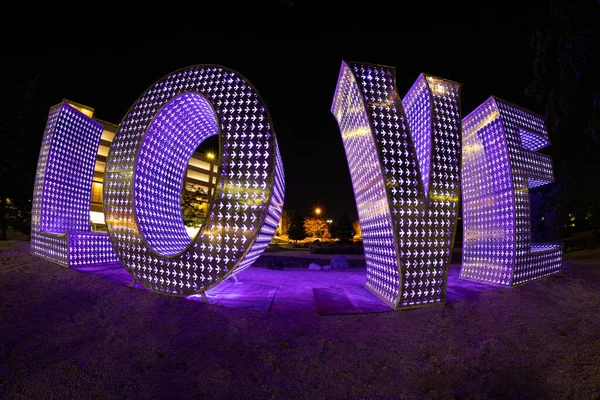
{"points": [[68, 334]]}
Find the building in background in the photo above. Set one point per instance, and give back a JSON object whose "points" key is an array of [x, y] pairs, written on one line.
{"points": [[201, 172]]}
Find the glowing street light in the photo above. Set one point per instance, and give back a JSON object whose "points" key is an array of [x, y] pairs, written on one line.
{"points": [[210, 155]]}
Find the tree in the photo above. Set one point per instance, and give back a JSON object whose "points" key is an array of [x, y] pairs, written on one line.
{"points": [[565, 81], [357, 229], [567, 88], [549, 207], [316, 227], [343, 229], [21, 129], [194, 205], [286, 220], [296, 231]]}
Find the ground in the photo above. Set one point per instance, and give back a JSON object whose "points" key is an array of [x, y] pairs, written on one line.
{"points": [[66, 334]]}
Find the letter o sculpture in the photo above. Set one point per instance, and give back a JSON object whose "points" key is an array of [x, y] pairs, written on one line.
{"points": [[145, 173]]}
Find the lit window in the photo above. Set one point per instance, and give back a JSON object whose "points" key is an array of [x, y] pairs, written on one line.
{"points": [[96, 192]]}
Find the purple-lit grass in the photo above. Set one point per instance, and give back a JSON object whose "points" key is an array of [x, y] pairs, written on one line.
{"points": [[77, 336]]}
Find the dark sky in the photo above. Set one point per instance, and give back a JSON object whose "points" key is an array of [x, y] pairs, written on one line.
{"points": [[291, 53]]}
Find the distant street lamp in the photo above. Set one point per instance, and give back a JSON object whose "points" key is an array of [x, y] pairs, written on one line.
{"points": [[329, 221], [210, 155]]}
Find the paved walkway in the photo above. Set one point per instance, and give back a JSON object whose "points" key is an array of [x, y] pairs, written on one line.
{"points": [[296, 290]]}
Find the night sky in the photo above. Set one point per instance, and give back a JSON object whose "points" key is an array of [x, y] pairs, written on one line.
{"points": [[292, 53]]}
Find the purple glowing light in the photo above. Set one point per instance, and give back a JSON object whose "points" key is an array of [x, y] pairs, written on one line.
{"points": [[60, 223], [403, 158], [145, 172], [170, 141], [499, 165]]}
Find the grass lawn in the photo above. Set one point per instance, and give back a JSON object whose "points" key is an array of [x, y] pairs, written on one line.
{"points": [[65, 334]]}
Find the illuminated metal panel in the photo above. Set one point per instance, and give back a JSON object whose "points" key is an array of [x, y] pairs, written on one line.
{"points": [[146, 168], [499, 165], [60, 225], [404, 160]]}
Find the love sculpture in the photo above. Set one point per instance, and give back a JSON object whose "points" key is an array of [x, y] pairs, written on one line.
{"points": [[143, 179], [499, 165], [60, 217], [404, 158], [404, 164]]}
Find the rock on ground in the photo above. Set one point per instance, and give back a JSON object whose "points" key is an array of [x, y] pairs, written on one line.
{"points": [[314, 267], [339, 261]]}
